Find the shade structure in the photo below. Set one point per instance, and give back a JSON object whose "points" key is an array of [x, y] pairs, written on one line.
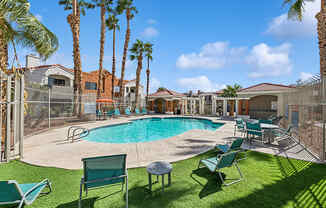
{"points": [[104, 100]]}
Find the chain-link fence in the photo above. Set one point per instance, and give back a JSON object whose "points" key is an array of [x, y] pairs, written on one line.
{"points": [[305, 110]]}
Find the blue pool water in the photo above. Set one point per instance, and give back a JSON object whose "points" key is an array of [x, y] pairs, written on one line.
{"points": [[151, 129]]}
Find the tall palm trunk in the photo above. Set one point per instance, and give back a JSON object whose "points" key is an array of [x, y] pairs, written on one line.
{"points": [[3, 67], [125, 50], [102, 42], [74, 22], [139, 68], [113, 62], [321, 17], [147, 84]]}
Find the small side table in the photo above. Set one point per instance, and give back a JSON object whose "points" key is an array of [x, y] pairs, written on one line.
{"points": [[159, 169]]}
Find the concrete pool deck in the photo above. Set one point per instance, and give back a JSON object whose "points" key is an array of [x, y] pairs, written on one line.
{"points": [[52, 149]]}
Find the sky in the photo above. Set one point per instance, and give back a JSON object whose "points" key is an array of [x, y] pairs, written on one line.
{"points": [[198, 46]]}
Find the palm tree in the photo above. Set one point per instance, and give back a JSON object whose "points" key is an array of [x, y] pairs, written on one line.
{"points": [[137, 50], [231, 91], [112, 24], [105, 5], [148, 55], [125, 5], [296, 11], [19, 26], [73, 20]]}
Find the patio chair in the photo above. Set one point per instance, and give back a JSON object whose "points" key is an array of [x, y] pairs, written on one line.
{"points": [[137, 111], [144, 111], [110, 113], [11, 192], [236, 145], [282, 134], [127, 112], [239, 126], [99, 114], [215, 164], [253, 129], [266, 121], [116, 112], [104, 171]]}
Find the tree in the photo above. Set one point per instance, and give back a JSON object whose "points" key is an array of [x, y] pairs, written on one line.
{"points": [[231, 91], [112, 24], [105, 6], [125, 5], [137, 50], [73, 20], [296, 11], [160, 89], [19, 26], [148, 55]]}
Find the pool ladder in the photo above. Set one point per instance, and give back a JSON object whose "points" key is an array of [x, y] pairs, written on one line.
{"points": [[76, 132]]}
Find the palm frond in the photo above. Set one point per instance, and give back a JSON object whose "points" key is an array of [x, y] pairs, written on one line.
{"points": [[296, 9]]}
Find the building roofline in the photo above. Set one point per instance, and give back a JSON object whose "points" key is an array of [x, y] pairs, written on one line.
{"points": [[278, 85]]}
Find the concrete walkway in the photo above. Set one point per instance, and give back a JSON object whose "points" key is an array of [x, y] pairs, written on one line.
{"points": [[53, 150]]}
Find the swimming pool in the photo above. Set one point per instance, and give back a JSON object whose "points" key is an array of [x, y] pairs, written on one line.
{"points": [[149, 129]]}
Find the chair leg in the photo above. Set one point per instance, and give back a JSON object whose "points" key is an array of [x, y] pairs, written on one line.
{"points": [[21, 204], [80, 195], [127, 191], [235, 181]]}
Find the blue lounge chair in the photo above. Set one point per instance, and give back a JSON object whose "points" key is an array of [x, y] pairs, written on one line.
{"points": [[144, 111], [268, 121], [215, 164], [12, 192], [116, 112], [99, 114], [110, 113], [104, 171], [127, 112], [137, 111]]}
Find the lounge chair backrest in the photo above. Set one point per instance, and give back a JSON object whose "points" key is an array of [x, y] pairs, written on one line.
{"points": [[144, 110], [254, 128], [226, 160], [116, 111], [98, 169], [127, 111], [9, 192], [268, 121], [137, 111], [236, 144], [239, 123]]}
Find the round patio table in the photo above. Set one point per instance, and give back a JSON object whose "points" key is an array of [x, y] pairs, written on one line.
{"points": [[269, 128], [159, 168]]}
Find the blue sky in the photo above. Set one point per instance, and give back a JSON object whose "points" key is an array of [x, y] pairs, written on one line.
{"points": [[199, 46]]}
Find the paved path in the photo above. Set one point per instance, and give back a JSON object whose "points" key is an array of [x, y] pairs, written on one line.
{"points": [[51, 148]]}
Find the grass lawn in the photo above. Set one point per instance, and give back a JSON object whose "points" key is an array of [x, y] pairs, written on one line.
{"points": [[270, 181]]}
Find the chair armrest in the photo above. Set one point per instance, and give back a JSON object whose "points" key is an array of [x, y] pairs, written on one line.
{"points": [[37, 185]]}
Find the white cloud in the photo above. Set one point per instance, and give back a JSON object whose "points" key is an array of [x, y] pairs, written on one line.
{"points": [[304, 76], [150, 32], [154, 84], [39, 17], [269, 61], [283, 27], [211, 56], [152, 21], [199, 83]]}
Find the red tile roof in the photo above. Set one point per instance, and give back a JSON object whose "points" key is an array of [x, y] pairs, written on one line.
{"points": [[266, 87]]}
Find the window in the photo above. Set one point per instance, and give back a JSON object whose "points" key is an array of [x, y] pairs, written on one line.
{"points": [[103, 84], [56, 82], [90, 86]]}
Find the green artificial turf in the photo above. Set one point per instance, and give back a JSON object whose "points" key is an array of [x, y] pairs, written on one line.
{"points": [[270, 181]]}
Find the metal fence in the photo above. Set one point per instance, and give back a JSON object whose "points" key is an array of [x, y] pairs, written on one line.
{"points": [[46, 108], [305, 110], [11, 115]]}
